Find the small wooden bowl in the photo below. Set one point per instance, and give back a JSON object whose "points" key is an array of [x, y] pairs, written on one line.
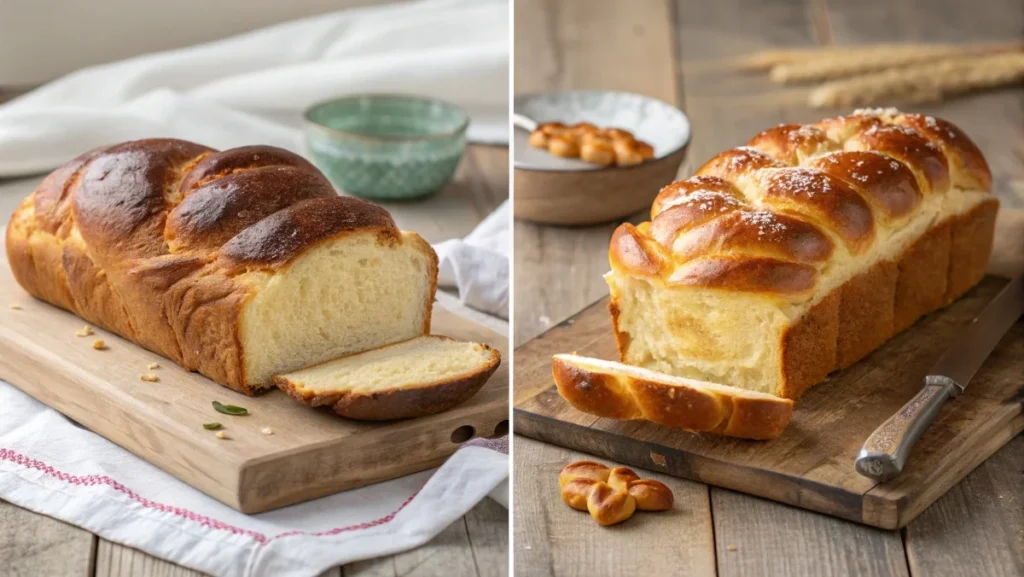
{"points": [[559, 191]]}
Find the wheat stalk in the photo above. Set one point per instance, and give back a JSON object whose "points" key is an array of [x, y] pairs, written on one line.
{"points": [[921, 82], [834, 65]]}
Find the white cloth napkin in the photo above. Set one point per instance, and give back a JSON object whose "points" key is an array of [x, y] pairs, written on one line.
{"points": [[478, 265], [51, 466], [254, 87]]}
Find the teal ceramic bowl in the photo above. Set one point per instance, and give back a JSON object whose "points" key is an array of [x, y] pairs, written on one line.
{"points": [[386, 146]]}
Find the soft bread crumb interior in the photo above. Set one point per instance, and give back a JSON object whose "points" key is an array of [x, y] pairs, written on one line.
{"points": [[612, 367], [347, 295], [703, 334], [414, 363]]}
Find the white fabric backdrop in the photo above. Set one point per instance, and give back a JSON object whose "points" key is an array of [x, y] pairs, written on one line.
{"points": [[254, 87]]}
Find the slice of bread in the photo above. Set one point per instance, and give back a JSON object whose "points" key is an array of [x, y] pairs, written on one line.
{"points": [[413, 378], [619, 391], [353, 293]]}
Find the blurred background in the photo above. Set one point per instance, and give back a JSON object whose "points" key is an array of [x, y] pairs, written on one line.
{"points": [[40, 41]]}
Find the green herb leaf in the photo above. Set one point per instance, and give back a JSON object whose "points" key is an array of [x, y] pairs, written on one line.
{"points": [[229, 409], [212, 426]]}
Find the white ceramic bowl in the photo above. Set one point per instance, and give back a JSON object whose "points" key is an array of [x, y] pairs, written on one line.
{"points": [[554, 190]]}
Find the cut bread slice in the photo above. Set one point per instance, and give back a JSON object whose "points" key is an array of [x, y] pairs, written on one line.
{"points": [[618, 391], [413, 378], [346, 295]]}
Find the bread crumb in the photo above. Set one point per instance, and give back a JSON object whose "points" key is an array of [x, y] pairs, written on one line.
{"points": [[99, 345], [149, 378], [152, 366], [731, 547], [16, 306], [84, 331], [222, 435], [267, 431]]}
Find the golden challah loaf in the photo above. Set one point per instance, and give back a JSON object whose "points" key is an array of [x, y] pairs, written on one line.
{"points": [[238, 264], [801, 252]]}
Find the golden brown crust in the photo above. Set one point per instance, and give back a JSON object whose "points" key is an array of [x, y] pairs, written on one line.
{"points": [[576, 492], [889, 186], [790, 143], [694, 407], [432, 272], [911, 148], [118, 201], [578, 480], [750, 274], [809, 347], [277, 239], [825, 200], [777, 236], [866, 307], [620, 478], [971, 237], [244, 158], [796, 183], [143, 238], [599, 394], [651, 495], [923, 276], [968, 168], [214, 213], [732, 165], [629, 249], [608, 506], [587, 470], [400, 403]]}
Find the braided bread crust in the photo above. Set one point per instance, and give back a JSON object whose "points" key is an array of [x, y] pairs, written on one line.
{"points": [[618, 391], [216, 260], [801, 252]]}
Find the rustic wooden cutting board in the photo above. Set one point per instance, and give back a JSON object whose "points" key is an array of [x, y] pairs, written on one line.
{"points": [[311, 452], [811, 464]]}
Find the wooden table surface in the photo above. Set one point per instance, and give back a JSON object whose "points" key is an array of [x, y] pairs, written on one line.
{"points": [[33, 545], [668, 50]]}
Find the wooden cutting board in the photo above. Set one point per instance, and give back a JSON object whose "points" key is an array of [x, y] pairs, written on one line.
{"points": [[311, 453], [811, 464]]}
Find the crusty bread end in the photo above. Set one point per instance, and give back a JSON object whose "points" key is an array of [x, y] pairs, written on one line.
{"points": [[619, 391], [414, 378]]}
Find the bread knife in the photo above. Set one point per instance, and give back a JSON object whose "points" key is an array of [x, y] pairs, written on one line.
{"points": [[885, 452]]}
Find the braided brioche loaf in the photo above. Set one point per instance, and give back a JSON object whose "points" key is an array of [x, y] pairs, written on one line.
{"points": [[798, 254], [238, 264]]}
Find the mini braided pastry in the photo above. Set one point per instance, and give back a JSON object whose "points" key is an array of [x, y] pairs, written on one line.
{"points": [[607, 146], [611, 495]]}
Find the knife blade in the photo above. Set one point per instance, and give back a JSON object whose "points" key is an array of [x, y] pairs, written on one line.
{"points": [[885, 452]]}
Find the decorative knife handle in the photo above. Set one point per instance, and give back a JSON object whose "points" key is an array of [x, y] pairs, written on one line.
{"points": [[885, 452]]}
